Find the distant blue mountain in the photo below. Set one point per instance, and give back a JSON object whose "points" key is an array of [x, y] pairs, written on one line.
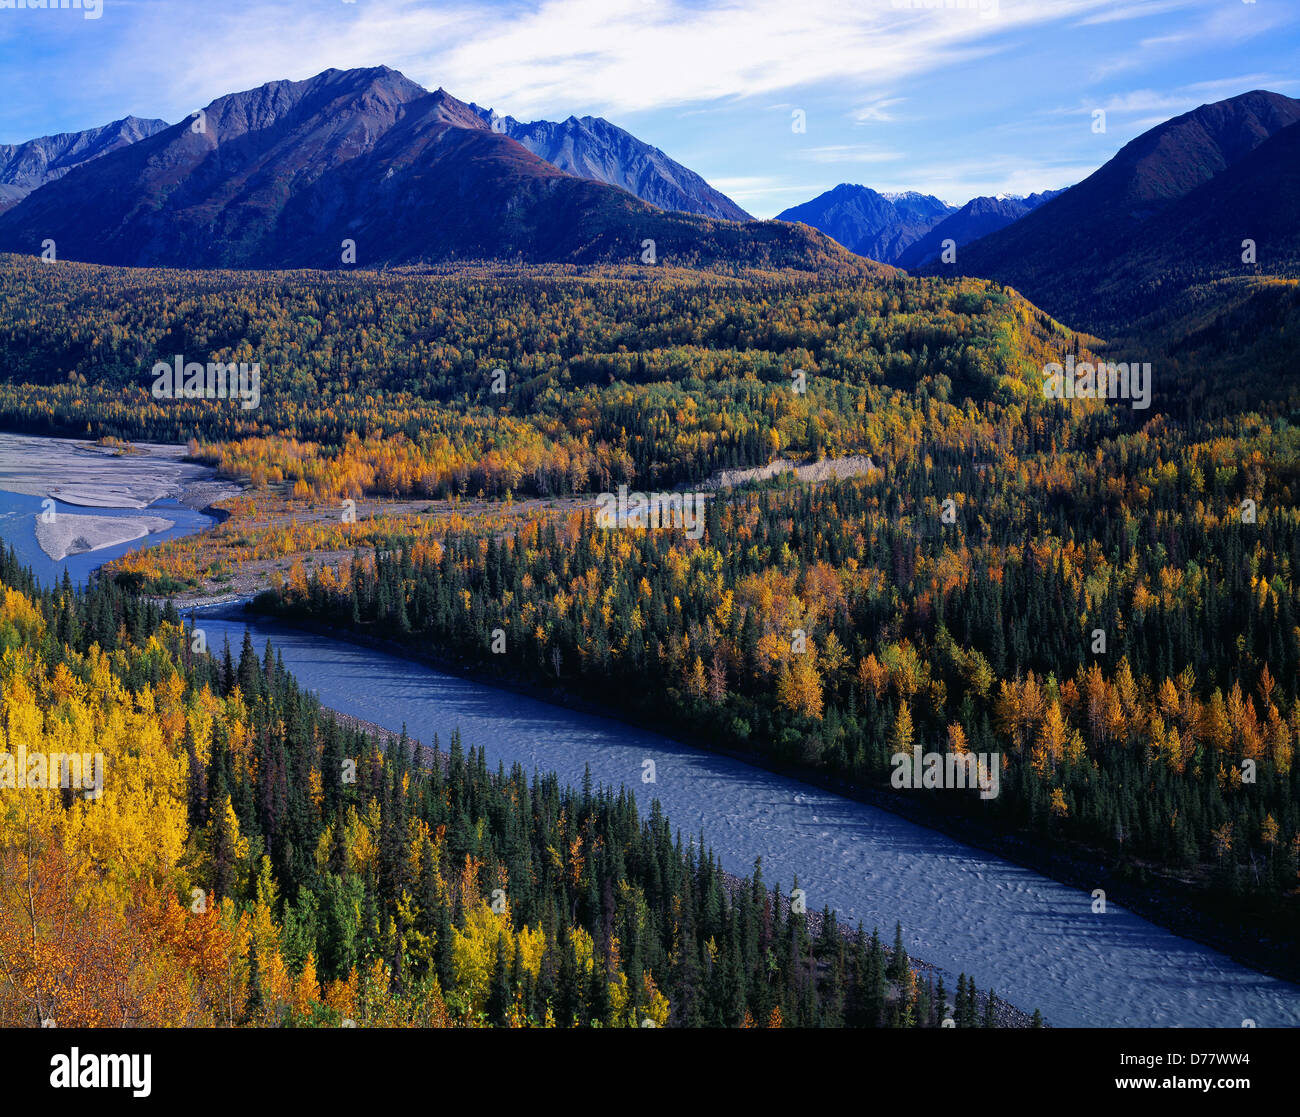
{"points": [[977, 218], [26, 166], [1168, 211], [869, 223]]}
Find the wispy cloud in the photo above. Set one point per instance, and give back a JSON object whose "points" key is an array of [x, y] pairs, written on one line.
{"points": [[1130, 11], [848, 153], [1230, 86], [1210, 25], [877, 112], [751, 187], [960, 180], [1143, 107]]}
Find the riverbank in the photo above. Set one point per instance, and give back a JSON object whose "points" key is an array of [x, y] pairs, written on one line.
{"points": [[1036, 941], [1006, 1014], [1157, 899]]}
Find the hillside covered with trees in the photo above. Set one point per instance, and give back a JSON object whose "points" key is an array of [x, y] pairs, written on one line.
{"points": [[388, 383]]}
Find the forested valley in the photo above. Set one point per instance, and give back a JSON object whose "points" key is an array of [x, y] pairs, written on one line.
{"points": [[1101, 595]]}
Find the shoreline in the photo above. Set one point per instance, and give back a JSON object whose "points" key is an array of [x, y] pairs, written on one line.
{"points": [[89, 474]]}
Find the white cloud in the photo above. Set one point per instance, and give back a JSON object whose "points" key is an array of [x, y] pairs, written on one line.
{"points": [[1231, 86], [1216, 26], [1145, 101], [1127, 10], [560, 56], [962, 180], [759, 186], [1147, 107]]}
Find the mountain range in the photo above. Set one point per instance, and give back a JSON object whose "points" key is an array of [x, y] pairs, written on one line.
{"points": [[977, 218], [283, 175], [591, 147], [1170, 210], [291, 173]]}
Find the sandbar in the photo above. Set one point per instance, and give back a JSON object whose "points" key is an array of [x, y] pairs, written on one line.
{"points": [[67, 534]]}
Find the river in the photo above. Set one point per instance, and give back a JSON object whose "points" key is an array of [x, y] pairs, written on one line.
{"points": [[1035, 941], [18, 513]]}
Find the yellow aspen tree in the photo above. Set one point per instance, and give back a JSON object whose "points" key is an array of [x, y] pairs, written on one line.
{"points": [[900, 737]]}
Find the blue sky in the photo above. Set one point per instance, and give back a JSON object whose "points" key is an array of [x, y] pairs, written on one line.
{"points": [[978, 97]]}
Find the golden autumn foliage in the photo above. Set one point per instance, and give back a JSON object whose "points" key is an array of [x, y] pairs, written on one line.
{"points": [[110, 914]]}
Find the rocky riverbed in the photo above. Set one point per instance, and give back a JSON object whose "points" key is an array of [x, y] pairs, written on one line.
{"points": [[95, 475]]}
